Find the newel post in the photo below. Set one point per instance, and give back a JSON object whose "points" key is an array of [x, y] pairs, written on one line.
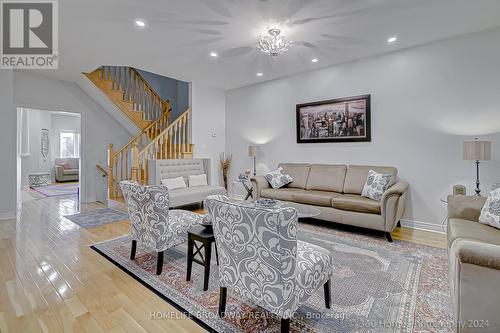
{"points": [[135, 161], [110, 171]]}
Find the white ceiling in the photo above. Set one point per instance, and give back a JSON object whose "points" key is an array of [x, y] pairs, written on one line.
{"points": [[180, 34]]}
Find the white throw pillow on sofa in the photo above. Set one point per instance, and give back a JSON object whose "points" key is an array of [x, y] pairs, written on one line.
{"points": [[198, 180], [278, 178], [376, 185], [174, 183], [490, 214]]}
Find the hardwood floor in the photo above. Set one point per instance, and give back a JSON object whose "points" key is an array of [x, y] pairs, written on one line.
{"points": [[51, 281]]}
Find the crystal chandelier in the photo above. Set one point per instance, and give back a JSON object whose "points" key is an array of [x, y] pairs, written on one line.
{"points": [[273, 44]]}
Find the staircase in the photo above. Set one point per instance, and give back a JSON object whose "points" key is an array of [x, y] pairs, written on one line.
{"points": [[157, 139]]}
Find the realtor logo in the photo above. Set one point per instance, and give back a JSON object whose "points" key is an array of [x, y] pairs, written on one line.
{"points": [[29, 34]]}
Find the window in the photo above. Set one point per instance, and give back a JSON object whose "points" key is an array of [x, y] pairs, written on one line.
{"points": [[69, 144]]}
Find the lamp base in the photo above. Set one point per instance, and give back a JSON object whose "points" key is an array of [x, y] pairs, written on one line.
{"points": [[478, 189]]}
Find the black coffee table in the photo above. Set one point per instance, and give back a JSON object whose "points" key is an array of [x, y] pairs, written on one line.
{"points": [[204, 236]]}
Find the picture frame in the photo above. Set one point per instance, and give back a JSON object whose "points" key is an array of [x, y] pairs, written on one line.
{"points": [[345, 119]]}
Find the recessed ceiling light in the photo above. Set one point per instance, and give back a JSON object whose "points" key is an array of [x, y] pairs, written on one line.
{"points": [[214, 54], [260, 74], [315, 60], [392, 39], [140, 23]]}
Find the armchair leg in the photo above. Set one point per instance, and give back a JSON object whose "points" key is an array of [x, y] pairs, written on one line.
{"points": [[159, 264], [388, 236], [222, 301], [133, 249], [285, 325], [328, 287]]}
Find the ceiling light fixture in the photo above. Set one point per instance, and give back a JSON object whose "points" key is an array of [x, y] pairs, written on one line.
{"points": [[315, 60], [214, 54], [273, 44], [260, 74], [392, 39], [140, 23]]}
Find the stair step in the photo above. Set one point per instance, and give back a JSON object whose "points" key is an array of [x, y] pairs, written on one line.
{"points": [[116, 96]]}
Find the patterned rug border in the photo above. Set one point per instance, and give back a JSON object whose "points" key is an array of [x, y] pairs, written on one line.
{"points": [[185, 312]]}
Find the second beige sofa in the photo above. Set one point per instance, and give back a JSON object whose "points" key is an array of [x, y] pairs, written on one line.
{"points": [[474, 267], [336, 191]]}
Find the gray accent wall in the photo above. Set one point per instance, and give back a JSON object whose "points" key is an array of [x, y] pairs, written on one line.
{"points": [[168, 88]]}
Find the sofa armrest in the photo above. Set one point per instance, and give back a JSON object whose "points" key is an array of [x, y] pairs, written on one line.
{"points": [[393, 204], [465, 207], [478, 253], [59, 172], [258, 183]]}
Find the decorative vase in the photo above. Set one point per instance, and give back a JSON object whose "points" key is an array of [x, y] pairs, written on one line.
{"points": [[225, 165]]}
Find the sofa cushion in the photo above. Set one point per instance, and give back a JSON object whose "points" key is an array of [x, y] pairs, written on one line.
{"points": [[458, 228], [284, 193], [324, 177], [73, 162], [356, 203], [490, 214], [376, 185], [278, 178], [316, 198], [70, 172], [299, 173], [356, 175], [188, 195]]}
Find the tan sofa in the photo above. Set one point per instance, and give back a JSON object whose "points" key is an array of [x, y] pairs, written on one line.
{"points": [[474, 266], [71, 174], [336, 191]]}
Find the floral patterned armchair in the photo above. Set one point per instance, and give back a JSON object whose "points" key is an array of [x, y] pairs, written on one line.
{"points": [[153, 225], [261, 259]]}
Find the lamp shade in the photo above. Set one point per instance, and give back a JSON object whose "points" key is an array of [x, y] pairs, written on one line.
{"points": [[252, 151], [477, 150]]}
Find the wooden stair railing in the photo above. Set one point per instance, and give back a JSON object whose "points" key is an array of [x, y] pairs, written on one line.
{"points": [[120, 163], [172, 143], [131, 93]]}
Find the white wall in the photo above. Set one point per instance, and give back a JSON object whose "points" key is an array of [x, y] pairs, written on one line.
{"points": [[425, 102], [208, 105], [34, 162], [8, 124], [98, 128]]}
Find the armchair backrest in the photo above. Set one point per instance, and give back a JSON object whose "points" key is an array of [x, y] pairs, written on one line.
{"points": [[257, 250], [148, 213]]}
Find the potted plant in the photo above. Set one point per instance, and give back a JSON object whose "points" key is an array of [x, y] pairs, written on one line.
{"points": [[225, 164]]}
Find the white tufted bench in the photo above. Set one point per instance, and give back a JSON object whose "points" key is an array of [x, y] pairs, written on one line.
{"points": [[164, 169]]}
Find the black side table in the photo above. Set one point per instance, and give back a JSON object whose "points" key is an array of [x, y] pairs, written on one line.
{"points": [[205, 236], [248, 189]]}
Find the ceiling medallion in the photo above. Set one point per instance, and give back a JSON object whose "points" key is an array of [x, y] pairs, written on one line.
{"points": [[273, 44]]}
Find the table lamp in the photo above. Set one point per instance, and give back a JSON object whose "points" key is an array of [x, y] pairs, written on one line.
{"points": [[252, 152], [477, 151]]}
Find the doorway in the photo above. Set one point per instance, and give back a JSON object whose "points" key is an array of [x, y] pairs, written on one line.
{"points": [[48, 154]]}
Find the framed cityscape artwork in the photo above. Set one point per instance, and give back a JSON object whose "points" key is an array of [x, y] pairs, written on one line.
{"points": [[337, 120]]}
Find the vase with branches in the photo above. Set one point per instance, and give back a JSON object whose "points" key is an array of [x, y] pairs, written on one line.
{"points": [[225, 165]]}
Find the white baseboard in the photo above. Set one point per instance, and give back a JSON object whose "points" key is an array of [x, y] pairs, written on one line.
{"points": [[425, 226], [8, 215]]}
